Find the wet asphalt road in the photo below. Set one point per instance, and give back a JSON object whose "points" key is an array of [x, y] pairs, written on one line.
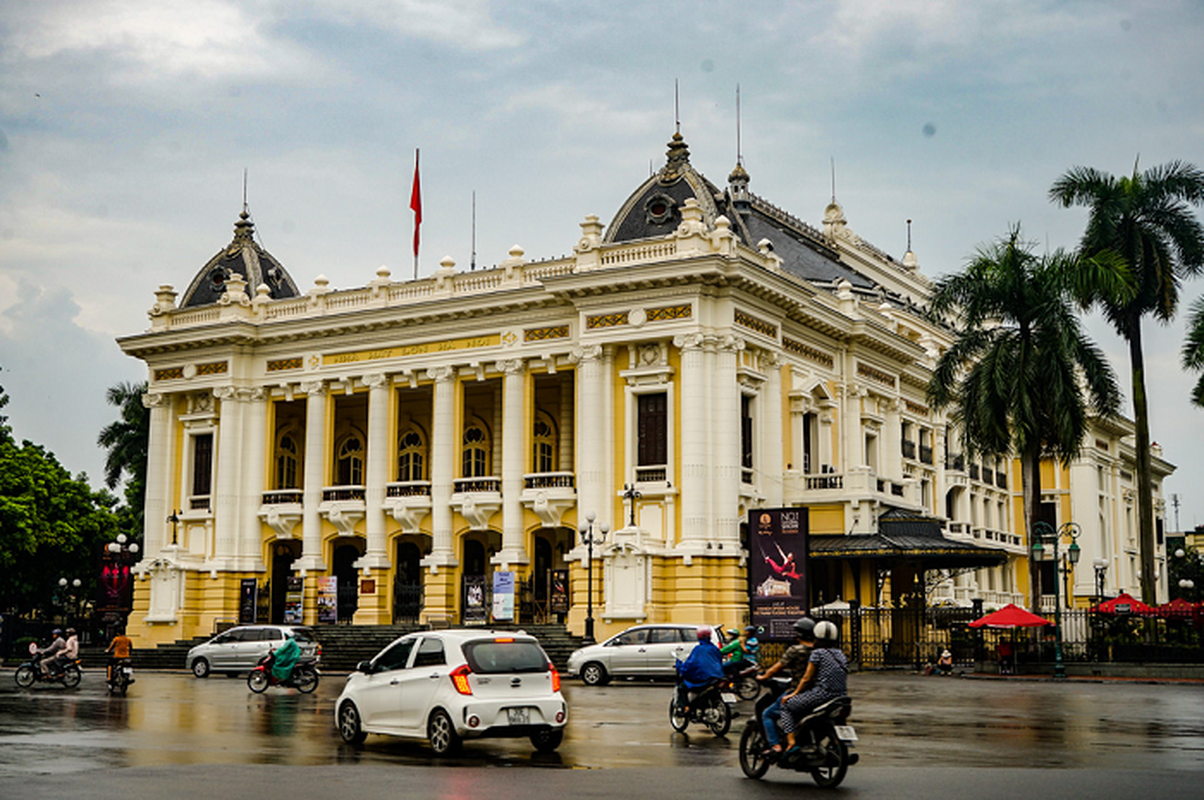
{"points": [[173, 725]]}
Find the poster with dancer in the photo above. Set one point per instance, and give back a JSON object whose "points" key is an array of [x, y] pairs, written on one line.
{"points": [[777, 569]]}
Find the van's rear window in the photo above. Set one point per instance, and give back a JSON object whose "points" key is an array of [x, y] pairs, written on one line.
{"points": [[488, 657], [302, 635]]}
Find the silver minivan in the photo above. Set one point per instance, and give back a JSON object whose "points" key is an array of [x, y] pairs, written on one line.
{"points": [[644, 651], [240, 649]]}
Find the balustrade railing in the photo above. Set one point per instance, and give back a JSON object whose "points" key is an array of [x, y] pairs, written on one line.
{"points": [[408, 489], [342, 493], [651, 474], [549, 480], [281, 496], [477, 485]]}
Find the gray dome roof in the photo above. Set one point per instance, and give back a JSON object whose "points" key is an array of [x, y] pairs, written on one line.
{"points": [[243, 256]]}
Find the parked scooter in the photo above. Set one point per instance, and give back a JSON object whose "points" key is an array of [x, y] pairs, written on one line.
{"points": [[303, 679], [31, 672], [711, 707], [824, 738], [120, 678]]}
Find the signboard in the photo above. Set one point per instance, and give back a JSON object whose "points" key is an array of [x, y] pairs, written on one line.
{"points": [[116, 585], [328, 600], [503, 597], [777, 569], [248, 600], [560, 591], [474, 612], [294, 600]]}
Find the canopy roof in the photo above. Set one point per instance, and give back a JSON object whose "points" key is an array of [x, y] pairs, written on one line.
{"points": [[1010, 616], [904, 535], [1124, 604]]}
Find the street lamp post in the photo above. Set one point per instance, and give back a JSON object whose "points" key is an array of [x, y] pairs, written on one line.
{"points": [[69, 594], [1101, 569], [1044, 532], [631, 494], [1188, 584], [590, 536]]}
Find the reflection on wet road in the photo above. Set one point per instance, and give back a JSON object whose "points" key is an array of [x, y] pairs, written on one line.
{"points": [[903, 720]]}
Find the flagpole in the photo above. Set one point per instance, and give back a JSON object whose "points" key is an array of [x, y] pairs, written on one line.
{"points": [[416, 207]]}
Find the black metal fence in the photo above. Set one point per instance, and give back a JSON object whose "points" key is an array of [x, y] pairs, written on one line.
{"points": [[883, 638]]}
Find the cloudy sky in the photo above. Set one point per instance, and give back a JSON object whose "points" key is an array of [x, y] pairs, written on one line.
{"points": [[125, 127]]}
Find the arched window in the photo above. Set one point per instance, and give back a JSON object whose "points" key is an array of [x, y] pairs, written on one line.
{"points": [[475, 453], [349, 464], [544, 439], [286, 461], [411, 457]]}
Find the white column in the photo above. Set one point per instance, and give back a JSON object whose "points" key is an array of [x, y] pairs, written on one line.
{"points": [[771, 463], [567, 431], [591, 433], [226, 516], [940, 486], [852, 450], [892, 452], [377, 471], [726, 488], [515, 423], [315, 462], [255, 448], [695, 488], [444, 453], [155, 529]]}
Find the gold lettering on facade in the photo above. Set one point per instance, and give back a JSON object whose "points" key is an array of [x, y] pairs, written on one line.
{"points": [[445, 346]]}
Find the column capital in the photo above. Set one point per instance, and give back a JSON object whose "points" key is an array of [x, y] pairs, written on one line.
{"points": [[441, 374], [154, 399], [312, 387], [373, 380], [729, 344], [510, 366], [225, 393], [586, 352], [690, 341]]}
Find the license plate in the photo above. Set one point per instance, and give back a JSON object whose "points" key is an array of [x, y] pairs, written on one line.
{"points": [[728, 697], [846, 733], [519, 716]]}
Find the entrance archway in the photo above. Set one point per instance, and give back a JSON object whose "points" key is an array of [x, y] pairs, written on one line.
{"points": [[475, 593], [343, 568], [407, 582], [284, 553]]}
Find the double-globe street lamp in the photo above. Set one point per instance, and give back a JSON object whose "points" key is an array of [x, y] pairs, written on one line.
{"points": [[1194, 560], [591, 535], [1044, 532]]}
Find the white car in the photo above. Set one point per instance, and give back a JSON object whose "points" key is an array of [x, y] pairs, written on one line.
{"points": [[447, 686], [644, 651]]}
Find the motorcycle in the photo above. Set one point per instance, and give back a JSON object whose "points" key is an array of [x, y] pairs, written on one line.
{"points": [[824, 738], [30, 672], [121, 677], [711, 707], [743, 681], [304, 677]]}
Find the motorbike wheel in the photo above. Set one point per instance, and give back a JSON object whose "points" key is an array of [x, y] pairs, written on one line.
{"points": [[677, 715], [25, 676], [747, 688], [752, 745], [836, 760], [71, 676], [306, 679], [123, 683], [719, 717], [257, 681]]}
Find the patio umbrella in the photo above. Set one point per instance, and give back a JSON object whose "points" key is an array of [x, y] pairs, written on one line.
{"points": [[1177, 609], [1124, 604], [1010, 616]]}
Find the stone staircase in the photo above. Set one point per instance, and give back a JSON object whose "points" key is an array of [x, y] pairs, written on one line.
{"points": [[344, 646]]}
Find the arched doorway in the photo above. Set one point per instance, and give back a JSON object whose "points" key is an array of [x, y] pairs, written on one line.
{"points": [[284, 553], [541, 577], [474, 591], [407, 582], [345, 556]]}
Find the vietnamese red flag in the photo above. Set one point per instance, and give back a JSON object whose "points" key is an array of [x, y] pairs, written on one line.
{"points": [[416, 204]]}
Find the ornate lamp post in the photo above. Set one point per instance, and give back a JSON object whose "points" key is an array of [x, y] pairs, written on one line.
{"points": [[1188, 584], [631, 494], [1101, 569], [174, 519], [1044, 532], [590, 536], [69, 597]]}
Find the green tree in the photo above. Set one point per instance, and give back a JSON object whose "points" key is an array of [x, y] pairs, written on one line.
{"points": [[127, 440], [1021, 377], [1192, 356], [1146, 221]]}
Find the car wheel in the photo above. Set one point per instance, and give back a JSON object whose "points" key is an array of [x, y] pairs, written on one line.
{"points": [[349, 724], [442, 734], [200, 668], [546, 741], [594, 674]]}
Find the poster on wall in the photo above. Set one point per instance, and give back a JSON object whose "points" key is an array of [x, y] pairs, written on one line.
{"points": [[474, 612], [503, 597], [777, 569], [294, 597], [560, 591], [248, 600], [328, 600]]}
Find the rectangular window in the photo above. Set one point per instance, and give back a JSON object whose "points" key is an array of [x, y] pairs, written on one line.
{"points": [[746, 432], [202, 464], [653, 447]]}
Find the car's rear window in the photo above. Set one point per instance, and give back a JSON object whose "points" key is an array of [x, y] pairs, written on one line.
{"points": [[490, 657]]}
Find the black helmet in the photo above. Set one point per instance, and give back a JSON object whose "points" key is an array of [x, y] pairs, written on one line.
{"points": [[804, 627]]}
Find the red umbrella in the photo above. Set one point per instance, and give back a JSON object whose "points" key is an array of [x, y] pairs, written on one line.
{"points": [[1125, 604], [1177, 609], [1010, 616]]}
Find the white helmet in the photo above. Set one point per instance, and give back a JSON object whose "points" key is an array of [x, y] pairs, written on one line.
{"points": [[826, 631]]}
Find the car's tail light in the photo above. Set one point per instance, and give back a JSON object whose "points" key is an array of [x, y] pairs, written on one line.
{"points": [[555, 677], [459, 677], [508, 639]]}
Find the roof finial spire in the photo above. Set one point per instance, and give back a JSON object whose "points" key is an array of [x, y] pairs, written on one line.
{"points": [[244, 190], [676, 110], [739, 154], [833, 158], [909, 236]]}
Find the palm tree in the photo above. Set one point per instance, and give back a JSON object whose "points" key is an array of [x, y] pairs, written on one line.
{"points": [[1021, 376], [1146, 221], [127, 440], [1192, 356]]}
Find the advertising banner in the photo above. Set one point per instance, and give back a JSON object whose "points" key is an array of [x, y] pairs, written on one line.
{"points": [[560, 591], [475, 612], [328, 600], [248, 600], [503, 597], [777, 569], [294, 598]]}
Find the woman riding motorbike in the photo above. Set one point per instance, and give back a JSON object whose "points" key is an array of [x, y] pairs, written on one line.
{"points": [[824, 680]]}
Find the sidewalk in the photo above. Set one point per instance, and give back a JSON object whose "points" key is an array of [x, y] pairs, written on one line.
{"points": [[1117, 679]]}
